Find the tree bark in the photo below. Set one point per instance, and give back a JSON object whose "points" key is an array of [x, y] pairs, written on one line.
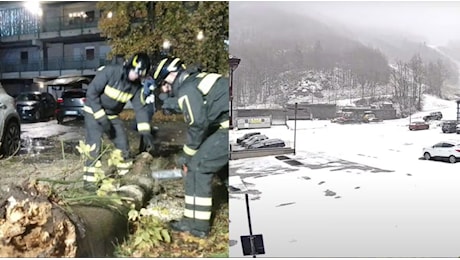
{"points": [[36, 223]]}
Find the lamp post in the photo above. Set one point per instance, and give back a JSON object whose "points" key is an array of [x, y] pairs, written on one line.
{"points": [[233, 62]]}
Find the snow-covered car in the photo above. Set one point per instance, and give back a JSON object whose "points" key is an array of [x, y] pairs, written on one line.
{"points": [[418, 125], [443, 150], [369, 117], [346, 118], [267, 143], [246, 136], [253, 139]]}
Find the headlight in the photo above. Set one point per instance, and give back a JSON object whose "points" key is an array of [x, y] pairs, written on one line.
{"points": [[28, 108]]}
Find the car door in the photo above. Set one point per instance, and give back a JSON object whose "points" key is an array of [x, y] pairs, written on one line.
{"points": [[447, 149], [437, 150]]}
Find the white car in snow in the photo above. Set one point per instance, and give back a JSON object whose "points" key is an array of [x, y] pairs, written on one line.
{"points": [[10, 127], [447, 149]]}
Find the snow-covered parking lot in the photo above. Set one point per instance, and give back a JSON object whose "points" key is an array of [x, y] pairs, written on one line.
{"points": [[358, 191]]}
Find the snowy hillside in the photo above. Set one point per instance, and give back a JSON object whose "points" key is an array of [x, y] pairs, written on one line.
{"points": [[359, 191]]}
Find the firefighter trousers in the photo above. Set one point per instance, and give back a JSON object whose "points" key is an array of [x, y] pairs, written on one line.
{"points": [[209, 159], [94, 133]]}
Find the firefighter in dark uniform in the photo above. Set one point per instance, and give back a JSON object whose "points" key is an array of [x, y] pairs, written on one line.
{"points": [[203, 99], [148, 93], [109, 91]]}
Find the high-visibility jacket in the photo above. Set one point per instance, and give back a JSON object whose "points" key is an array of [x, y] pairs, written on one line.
{"points": [[203, 98], [109, 92]]}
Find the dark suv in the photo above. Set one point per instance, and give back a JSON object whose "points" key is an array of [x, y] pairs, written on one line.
{"points": [[449, 126], [70, 104], [35, 106], [433, 116]]}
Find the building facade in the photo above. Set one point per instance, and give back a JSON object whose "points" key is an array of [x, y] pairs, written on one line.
{"points": [[64, 40]]}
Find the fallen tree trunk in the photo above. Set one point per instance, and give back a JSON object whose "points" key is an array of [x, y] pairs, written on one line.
{"points": [[36, 223]]}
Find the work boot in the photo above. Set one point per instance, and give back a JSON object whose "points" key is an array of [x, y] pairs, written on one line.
{"points": [[187, 225]]}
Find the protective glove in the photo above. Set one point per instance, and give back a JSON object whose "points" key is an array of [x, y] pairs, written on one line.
{"points": [[147, 143], [183, 159], [107, 126], [148, 86]]}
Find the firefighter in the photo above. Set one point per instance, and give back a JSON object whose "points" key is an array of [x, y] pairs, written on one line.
{"points": [[148, 92], [109, 91], [203, 99], [169, 106]]}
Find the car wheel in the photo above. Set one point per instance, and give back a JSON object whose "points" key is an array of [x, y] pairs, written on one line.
{"points": [[452, 159], [37, 116], [427, 156], [11, 139]]}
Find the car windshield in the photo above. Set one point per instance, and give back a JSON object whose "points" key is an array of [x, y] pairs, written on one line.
{"points": [[28, 97], [74, 94]]}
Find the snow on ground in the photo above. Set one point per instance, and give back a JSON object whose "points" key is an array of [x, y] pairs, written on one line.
{"points": [[362, 191]]}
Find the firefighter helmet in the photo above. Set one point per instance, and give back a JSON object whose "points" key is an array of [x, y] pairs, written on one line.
{"points": [[140, 63], [166, 66]]}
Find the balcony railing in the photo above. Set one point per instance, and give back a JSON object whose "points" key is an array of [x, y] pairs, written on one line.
{"points": [[66, 23], [28, 25], [65, 63]]}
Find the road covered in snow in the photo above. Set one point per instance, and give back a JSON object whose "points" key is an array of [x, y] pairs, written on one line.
{"points": [[359, 190]]}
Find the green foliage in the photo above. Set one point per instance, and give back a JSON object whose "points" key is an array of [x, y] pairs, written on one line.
{"points": [[150, 231], [144, 26]]}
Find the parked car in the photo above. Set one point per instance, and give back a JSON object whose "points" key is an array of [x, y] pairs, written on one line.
{"points": [[10, 127], [447, 149], [253, 139], [418, 125], [369, 117], [458, 129], [246, 136], [35, 106], [70, 104], [347, 118], [267, 143], [433, 116], [449, 126]]}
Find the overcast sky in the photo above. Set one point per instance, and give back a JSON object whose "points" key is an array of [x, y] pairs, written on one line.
{"points": [[438, 22]]}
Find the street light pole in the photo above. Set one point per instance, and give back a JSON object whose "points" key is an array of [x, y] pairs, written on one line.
{"points": [[233, 62]]}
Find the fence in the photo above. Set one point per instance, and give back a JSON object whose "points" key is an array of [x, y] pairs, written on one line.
{"points": [[278, 116], [63, 63]]}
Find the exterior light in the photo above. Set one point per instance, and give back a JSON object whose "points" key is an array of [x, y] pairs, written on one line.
{"points": [[109, 14], [34, 7], [200, 36], [166, 44]]}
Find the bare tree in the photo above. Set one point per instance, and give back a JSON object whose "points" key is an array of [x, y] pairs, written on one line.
{"points": [[399, 79], [418, 70]]}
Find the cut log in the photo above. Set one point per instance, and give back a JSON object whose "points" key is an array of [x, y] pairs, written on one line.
{"points": [[36, 223]]}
